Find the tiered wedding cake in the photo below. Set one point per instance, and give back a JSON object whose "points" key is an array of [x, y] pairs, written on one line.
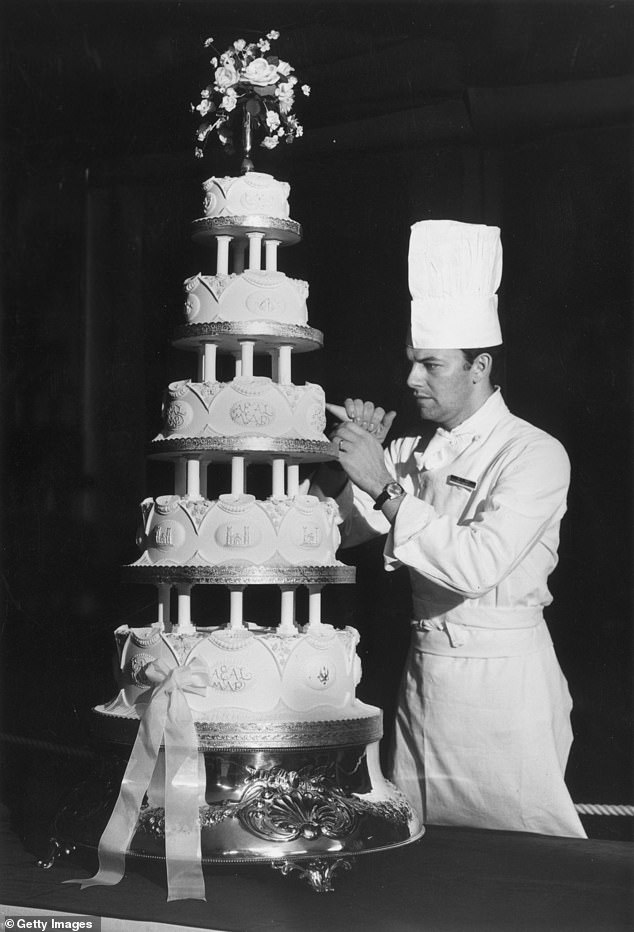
{"points": [[248, 742], [292, 672]]}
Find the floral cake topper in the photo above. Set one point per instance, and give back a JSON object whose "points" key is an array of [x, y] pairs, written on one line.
{"points": [[252, 94]]}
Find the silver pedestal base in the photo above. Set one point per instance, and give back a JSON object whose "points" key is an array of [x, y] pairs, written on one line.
{"points": [[309, 810]]}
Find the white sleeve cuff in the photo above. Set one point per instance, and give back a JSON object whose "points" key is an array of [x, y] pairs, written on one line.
{"points": [[412, 517]]}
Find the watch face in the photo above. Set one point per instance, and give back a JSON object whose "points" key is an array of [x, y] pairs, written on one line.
{"points": [[393, 489]]}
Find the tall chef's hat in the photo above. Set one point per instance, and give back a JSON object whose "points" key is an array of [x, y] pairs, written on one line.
{"points": [[454, 272]]}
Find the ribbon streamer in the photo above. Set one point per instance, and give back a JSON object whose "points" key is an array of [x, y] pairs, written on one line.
{"points": [[167, 720]]}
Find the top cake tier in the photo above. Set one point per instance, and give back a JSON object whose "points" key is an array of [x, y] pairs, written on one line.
{"points": [[234, 206], [253, 193]]}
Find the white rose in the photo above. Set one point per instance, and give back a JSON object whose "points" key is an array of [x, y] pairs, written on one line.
{"points": [[226, 76], [260, 73], [306, 90], [273, 34], [270, 142], [229, 102], [239, 44], [272, 119], [204, 107]]}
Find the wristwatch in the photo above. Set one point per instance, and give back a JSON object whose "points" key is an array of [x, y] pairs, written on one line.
{"points": [[390, 491]]}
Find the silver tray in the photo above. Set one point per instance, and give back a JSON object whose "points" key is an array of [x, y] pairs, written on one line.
{"points": [[267, 335], [255, 449], [286, 231], [264, 735], [241, 575]]}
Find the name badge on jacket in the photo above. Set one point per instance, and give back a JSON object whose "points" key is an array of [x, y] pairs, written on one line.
{"points": [[461, 483]]}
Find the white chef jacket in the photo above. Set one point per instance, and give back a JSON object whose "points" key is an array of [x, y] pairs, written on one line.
{"points": [[483, 723]]}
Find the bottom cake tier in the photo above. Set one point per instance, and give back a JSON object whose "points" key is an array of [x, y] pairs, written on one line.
{"points": [[245, 674]]}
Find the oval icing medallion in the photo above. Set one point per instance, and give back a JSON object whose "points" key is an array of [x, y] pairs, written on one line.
{"points": [[319, 673], [168, 536], [192, 307], [178, 415], [237, 535]]}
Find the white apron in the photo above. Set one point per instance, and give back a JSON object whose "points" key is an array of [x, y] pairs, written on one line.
{"points": [[483, 725]]}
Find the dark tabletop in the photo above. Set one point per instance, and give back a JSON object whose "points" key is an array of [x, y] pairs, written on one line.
{"points": [[453, 879]]}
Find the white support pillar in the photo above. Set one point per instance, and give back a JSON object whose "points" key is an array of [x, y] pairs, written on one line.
{"points": [[236, 607], [255, 250], [180, 477], [292, 480], [287, 612], [164, 607], [246, 357], [239, 253], [270, 252], [314, 607], [185, 625], [238, 370], [203, 477], [237, 475], [222, 255], [193, 478], [284, 365], [209, 363], [277, 490]]}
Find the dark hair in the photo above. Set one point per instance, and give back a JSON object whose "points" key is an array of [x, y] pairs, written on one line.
{"points": [[496, 354]]}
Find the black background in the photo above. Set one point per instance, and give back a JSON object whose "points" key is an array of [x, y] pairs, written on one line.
{"points": [[509, 113]]}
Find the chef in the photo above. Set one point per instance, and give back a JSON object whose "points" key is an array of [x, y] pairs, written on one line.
{"points": [[482, 733]]}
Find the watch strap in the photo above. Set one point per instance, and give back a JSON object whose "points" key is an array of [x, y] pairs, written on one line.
{"points": [[387, 494]]}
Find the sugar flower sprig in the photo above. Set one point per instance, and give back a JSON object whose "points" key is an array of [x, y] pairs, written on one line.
{"points": [[252, 96]]}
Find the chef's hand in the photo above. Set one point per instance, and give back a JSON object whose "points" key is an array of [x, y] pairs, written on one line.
{"points": [[365, 414], [359, 447]]}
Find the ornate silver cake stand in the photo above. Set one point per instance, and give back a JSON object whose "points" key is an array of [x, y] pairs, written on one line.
{"points": [[265, 334], [304, 797]]}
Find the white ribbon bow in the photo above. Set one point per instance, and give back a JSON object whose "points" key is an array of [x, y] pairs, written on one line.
{"points": [[168, 720]]}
